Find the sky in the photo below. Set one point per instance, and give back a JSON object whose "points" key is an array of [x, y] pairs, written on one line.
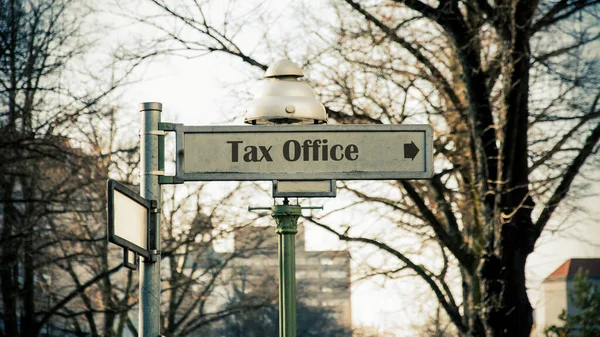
{"points": [[198, 91]]}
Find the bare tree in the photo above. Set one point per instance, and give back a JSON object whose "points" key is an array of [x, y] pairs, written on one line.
{"points": [[198, 276], [58, 274], [56, 145], [511, 88]]}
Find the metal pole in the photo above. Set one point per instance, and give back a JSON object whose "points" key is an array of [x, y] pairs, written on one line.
{"points": [[149, 290], [286, 216]]}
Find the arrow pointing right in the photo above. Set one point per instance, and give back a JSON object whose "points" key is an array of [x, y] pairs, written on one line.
{"points": [[410, 150]]}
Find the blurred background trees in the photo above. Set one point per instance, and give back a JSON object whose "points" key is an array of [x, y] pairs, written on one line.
{"points": [[56, 141], [58, 144], [511, 89]]}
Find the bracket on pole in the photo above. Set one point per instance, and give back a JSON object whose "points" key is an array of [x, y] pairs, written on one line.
{"points": [[127, 263], [152, 250], [165, 180], [282, 208]]}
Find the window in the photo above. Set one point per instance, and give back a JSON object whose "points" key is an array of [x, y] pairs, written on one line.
{"points": [[332, 303], [327, 261], [335, 274], [305, 261], [304, 274], [340, 260]]}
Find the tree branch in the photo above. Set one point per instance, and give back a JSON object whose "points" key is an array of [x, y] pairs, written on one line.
{"points": [[560, 51], [420, 7], [454, 243], [450, 309], [569, 175], [558, 146], [440, 190], [76, 293], [562, 10], [391, 33]]}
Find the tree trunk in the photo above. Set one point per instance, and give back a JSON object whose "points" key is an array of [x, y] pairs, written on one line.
{"points": [[511, 314], [8, 257]]}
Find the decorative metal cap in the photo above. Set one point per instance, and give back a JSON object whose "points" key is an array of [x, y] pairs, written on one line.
{"points": [[284, 68], [150, 106], [283, 99]]}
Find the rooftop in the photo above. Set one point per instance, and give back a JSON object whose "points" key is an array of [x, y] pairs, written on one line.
{"points": [[570, 267]]}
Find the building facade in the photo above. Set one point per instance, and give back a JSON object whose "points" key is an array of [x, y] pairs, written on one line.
{"points": [[556, 290], [322, 277]]}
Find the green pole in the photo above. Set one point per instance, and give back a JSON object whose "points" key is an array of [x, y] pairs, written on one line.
{"points": [[149, 289], [286, 216]]}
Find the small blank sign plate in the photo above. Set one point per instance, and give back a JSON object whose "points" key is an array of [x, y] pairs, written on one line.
{"points": [[128, 216], [303, 188]]}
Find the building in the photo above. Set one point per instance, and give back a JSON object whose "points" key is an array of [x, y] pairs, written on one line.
{"points": [[323, 277], [556, 289]]}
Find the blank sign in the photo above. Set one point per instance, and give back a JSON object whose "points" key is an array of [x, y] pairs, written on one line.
{"points": [[303, 188], [131, 220], [128, 215]]}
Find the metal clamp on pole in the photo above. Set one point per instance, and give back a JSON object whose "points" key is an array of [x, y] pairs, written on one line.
{"points": [[152, 249], [154, 256]]}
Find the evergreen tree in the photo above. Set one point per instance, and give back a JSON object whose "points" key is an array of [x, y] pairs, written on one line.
{"points": [[585, 321]]}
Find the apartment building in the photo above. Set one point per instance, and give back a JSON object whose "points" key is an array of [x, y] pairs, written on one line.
{"points": [[323, 277]]}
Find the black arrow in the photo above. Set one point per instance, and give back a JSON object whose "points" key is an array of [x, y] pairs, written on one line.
{"points": [[410, 150]]}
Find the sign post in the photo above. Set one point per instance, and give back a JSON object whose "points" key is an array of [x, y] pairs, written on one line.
{"points": [[289, 153], [149, 290], [303, 161], [286, 217], [134, 220]]}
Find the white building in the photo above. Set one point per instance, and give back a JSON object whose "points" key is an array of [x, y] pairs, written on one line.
{"points": [[556, 289]]}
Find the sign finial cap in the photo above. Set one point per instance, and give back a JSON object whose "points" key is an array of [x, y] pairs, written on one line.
{"points": [[283, 99], [282, 68], [145, 106]]}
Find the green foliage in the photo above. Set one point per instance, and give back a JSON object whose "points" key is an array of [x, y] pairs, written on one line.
{"points": [[585, 322]]}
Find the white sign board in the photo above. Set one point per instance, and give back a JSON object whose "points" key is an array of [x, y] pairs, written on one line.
{"points": [[128, 216], [275, 152]]}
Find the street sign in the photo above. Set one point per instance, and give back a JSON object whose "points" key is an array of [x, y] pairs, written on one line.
{"points": [[324, 152], [304, 189], [128, 217]]}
